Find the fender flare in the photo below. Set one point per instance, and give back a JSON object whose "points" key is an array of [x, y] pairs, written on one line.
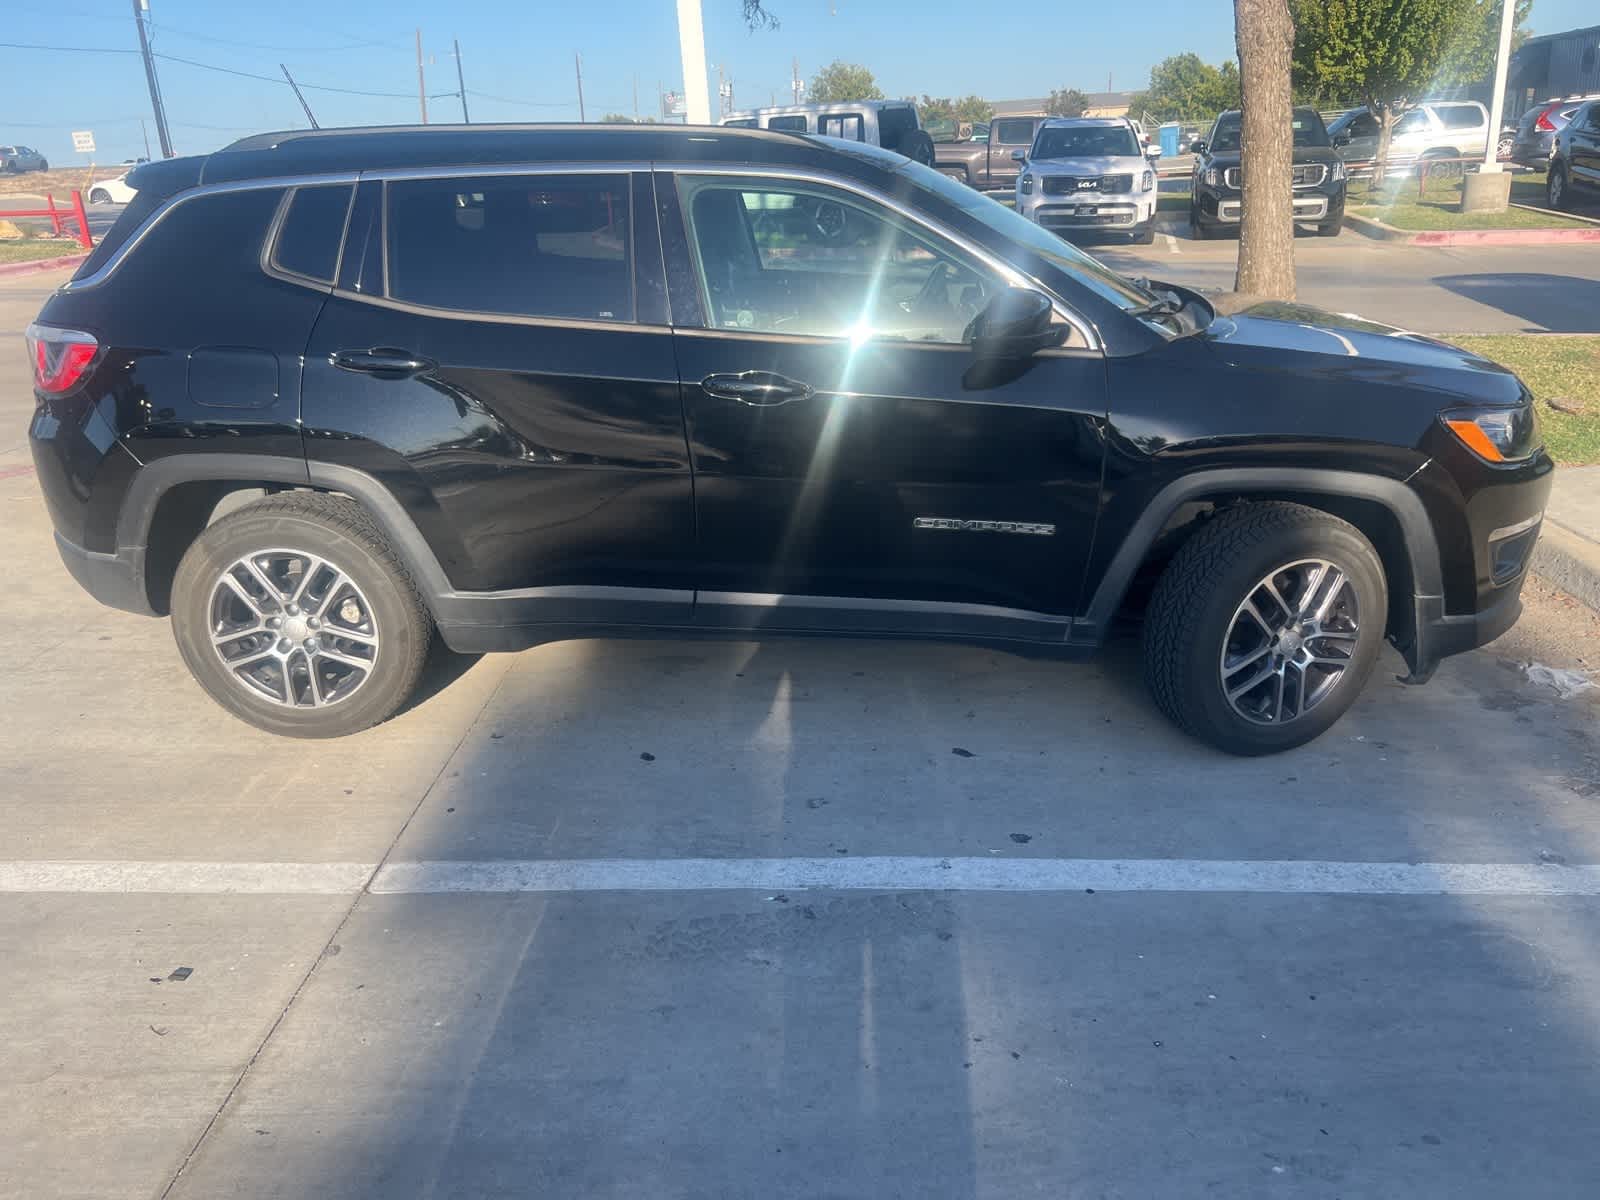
{"points": [[1422, 547]]}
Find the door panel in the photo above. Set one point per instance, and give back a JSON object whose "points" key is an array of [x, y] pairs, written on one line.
{"points": [[863, 467], [534, 452]]}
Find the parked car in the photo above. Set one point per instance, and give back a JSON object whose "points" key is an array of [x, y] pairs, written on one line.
{"points": [[1089, 173], [1217, 201], [1536, 132], [111, 191], [1433, 129], [1575, 164], [16, 159], [892, 124], [989, 165], [514, 384]]}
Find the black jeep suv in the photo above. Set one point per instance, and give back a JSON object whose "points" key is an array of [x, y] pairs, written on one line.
{"points": [[1217, 198], [320, 394]]}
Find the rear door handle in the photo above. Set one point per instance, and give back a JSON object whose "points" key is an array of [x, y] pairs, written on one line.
{"points": [[383, 361], [760, 389]]}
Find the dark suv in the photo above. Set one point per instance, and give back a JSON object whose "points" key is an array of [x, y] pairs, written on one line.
{"points": [[1217, 196], [1575, 160], [320, 394]]}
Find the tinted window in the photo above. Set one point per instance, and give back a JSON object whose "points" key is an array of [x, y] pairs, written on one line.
{"points": [[790, 258], [787, 124], [1362, 125], [894, 123], [535, 246], [1460, 116], [841, 125], [308, 243], [1306, 123], [1012, 132], [742, 123], [1594, 116], [1086, 141]]}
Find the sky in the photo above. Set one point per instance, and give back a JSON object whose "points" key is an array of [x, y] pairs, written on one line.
{"points": [[518, 58]]}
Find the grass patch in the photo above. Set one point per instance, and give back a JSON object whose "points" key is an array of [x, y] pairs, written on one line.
{"points": [[1561, 368], [58, 182], [33, 249], [1173, 202], [1398, 203]]}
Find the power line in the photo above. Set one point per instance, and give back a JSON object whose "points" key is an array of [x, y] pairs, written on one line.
{"points": [[67, 49], [220, 41]]}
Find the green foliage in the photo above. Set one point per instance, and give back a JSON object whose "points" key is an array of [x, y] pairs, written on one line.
{"points": [[756, 16], [1470, 57], [973, 108], [840, 81], [612, 118], [1186, 88], [1067, 102], [1384, 52]]}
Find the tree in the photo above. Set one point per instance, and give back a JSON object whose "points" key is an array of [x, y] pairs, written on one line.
{"points": [[972, 109], [1384, 53], [842, 81], [615, 118], [1470, 57], [1186, 88], [1067, 102], [1264, 34]]}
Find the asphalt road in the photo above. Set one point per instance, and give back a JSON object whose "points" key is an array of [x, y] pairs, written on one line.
{"points": [[794, 919]]}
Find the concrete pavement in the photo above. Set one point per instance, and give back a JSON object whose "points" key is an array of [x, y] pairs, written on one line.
{"points": [[168, 1036]]}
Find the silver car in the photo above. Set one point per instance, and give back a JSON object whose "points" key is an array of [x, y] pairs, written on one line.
{"points": [[1432, 129], [15, 159], [1536, 131]]}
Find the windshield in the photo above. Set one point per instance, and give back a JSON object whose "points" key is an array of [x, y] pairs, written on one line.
{"points": [[1085, 141], [1307, 123]]}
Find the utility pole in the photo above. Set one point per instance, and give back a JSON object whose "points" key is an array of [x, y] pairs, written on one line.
{"points": [[298, 96], [140, 7], [577, 64], [461, 82], [692, 49], [795, 86], [422, 85], [636, 98]]}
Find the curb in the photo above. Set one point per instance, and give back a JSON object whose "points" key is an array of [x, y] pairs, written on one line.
{"points": [[1376, 229], [1570, 562], [41, 264]]}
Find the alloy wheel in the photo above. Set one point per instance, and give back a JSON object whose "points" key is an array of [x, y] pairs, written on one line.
{"points": [[1290, 642], [293, 628]]}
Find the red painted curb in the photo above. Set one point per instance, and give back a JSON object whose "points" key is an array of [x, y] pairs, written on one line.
{"points": [[1374, 228], [42, 264]]}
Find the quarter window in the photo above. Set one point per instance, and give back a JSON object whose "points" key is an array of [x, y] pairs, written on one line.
{"points": [[308, 242], [841, 125], [787, 124], [796, 259], [533, 246]]}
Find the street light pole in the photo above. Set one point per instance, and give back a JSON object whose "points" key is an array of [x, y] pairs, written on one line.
{"points": [[1497, 102], [692, 49]]}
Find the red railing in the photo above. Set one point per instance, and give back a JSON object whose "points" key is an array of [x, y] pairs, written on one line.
{"points": [[57, 216]]}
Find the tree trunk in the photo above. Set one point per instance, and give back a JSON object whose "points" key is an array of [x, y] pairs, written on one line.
{"points": [[1264, 31], [1386, 114]]}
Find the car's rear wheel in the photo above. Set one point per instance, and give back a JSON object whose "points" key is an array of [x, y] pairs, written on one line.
{"points": [[1265, 626], [297, 616], [1555, 186], [99, 196]]}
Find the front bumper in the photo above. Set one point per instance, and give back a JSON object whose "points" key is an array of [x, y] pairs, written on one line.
{"points": [[1111, 211], [1321, 204], [1437, 635]]}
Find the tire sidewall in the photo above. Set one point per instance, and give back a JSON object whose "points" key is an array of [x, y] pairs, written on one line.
{"points": [[1212, 715], [233, 537], [1556, 188]]}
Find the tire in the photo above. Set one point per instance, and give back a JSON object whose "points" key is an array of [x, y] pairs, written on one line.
{"points": [[1198, 229], [376, 604], [1330, 228], [916, 145], [99, 196], [1198, 615], [1146, 234], [43, 165], [1555, 187]]}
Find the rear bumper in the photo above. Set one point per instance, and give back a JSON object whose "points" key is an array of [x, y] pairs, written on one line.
{"points": [[116, 580]]}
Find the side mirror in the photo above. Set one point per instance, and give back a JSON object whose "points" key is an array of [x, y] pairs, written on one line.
{"points": [[1152, 151], [1016, 324], [1341, 139], [1198, 146], [1019, 156]]}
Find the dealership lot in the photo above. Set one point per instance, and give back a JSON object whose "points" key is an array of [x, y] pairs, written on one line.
{"points": [[669, 918]]}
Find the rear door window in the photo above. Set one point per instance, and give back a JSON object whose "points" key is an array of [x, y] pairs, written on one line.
{"points": [[841, 125], [1460, 116], [312, 229], [1012, 132], [795, 124], [524, 245]]}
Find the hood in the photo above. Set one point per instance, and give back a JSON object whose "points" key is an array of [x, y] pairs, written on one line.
{"points": [[1086, 166], [1270, 329]]}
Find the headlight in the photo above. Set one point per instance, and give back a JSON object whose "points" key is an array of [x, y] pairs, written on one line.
{"points": [[1338, 169], [1149, 180], [1497, 435], [1025, 184], [1213, 177]]}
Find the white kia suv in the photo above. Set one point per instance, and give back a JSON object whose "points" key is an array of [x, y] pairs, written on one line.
{"points": [[1089, 174]]}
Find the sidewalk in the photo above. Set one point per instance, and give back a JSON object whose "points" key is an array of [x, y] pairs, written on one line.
{"points": [[1568, 554]]}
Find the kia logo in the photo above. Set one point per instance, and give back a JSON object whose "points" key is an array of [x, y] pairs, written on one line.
{"points": [[1084, 184]]}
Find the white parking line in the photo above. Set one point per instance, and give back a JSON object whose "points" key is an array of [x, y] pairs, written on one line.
{"points": [[1172, 244], [1181, 875]]}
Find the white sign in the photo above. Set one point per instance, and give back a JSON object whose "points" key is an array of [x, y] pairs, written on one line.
{"points": [[672, 104], [83, 141]]}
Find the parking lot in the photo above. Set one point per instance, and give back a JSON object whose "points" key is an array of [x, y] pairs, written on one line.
{"points": [[800, 918]]}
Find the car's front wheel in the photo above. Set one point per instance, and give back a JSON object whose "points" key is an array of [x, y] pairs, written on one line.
{"points": [[1265, 626], [297, 616], [1330, 228], [1146, 234]]}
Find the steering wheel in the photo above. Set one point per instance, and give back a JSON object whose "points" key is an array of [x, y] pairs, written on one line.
{"points": [[828, 219]]}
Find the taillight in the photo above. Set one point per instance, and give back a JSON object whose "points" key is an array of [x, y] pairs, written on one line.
{"points": [[1543, 124], [60, 357]]}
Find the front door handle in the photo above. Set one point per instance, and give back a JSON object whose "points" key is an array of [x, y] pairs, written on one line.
{"points": [[383, 361], [760, 389]]}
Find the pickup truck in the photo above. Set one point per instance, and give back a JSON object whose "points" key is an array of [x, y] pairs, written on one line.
{"points": [[987, 165]]}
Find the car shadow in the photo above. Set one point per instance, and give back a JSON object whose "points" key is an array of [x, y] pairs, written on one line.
{"points": [[1549, 303]]}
